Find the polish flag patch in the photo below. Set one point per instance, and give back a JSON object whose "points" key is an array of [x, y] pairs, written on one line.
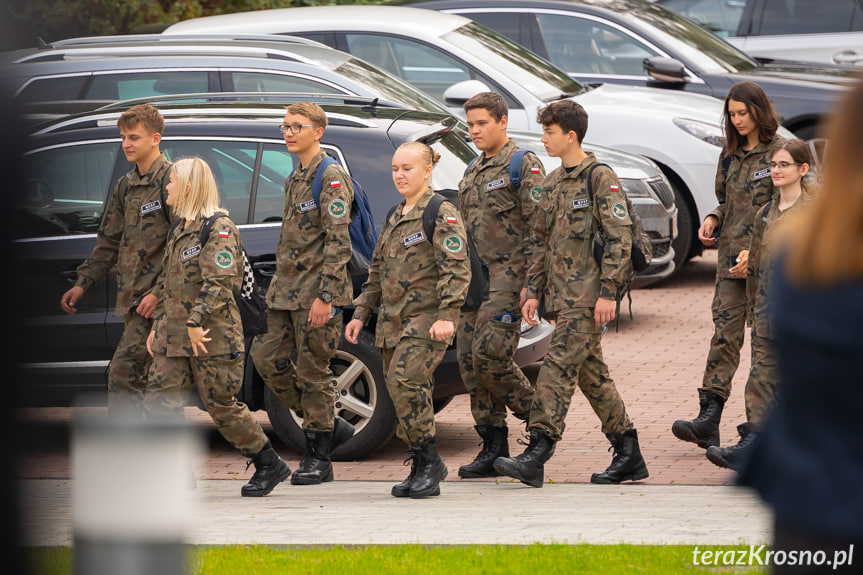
{"points": [[335, 184], [534, 170], [615, 188], [225, 234], [451, 220]]}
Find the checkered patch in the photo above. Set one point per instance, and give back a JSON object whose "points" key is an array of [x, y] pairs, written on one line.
{"points": [[248, 285]]}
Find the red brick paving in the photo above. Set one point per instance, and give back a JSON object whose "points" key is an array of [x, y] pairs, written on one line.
{"points": [[656, 360]]}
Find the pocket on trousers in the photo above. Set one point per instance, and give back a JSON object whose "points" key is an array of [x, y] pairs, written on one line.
{"points": [[324, 340], [498, 340]]}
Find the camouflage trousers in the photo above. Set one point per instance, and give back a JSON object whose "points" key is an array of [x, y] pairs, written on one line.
{"points": [[760, 392], [294, 360], [127, 374], [575, 358], [217, 380], [409, 367], [486, 344], [729, 324]]}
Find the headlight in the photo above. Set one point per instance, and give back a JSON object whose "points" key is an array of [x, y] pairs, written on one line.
{"points": [[709, 133], [635, 188]]}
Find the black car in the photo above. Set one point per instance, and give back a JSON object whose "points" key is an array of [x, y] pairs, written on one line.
{"points": [[639, 42], [72, 166]]}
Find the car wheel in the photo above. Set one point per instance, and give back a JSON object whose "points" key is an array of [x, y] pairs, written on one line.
{"points": [[361, 398]]}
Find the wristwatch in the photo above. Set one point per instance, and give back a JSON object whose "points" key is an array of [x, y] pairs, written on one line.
{"points": [[191, 323], [325, 297]]}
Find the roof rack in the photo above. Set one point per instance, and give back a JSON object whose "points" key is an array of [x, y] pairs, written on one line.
{"points": [[176, 38], [252, 98]]}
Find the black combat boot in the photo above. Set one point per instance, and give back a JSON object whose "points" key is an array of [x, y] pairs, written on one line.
{"points": [[494, 445], [270, 470], [342, 432], [704, 429], [627, 463], [529, 467], [730, 457], [316, 466], [430, 470], [403, 489]]}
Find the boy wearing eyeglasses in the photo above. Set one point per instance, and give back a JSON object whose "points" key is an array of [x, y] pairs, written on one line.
{"points": [[310, 286]]}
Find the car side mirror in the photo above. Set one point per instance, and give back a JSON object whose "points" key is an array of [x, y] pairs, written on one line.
{"points": [[665, 70], [461, 92]]}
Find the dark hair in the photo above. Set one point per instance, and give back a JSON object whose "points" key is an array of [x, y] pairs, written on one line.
{"points": [[145, 115], [490, 101], [796, 148], [759, 107], [567, 114]]}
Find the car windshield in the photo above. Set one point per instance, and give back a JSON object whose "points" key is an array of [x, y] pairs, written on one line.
{"points": [[703, 50], [517, 63], [389, 88]]}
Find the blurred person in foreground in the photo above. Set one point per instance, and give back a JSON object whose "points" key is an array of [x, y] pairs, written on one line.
{"points": [[807, 464]]}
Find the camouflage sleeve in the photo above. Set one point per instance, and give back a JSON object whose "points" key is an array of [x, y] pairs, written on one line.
{"points": [[537, 273], [530, 196], [108, 238], [370, 297], [159, 287], [754, 263], [220, 260], [719, 186], [453, 262], [169, 214], [337, 195], [616, 225]]}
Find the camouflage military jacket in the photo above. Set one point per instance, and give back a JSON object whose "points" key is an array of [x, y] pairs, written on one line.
{"points": [[763, 245], [198, 286], [414, 281], [566, 270], [746, 187], [314, 244], [132, 234], [501, 218]]}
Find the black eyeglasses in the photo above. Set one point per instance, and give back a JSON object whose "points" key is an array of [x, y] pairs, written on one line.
{"points": [[293, 128], [783, 165]]}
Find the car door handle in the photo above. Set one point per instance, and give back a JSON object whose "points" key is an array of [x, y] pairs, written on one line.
{"points": [[71, 276], [847, 57], [266, 269]]}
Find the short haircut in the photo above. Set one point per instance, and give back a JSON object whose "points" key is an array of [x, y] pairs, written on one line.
{"points": [[490, 101], [145, 115], [310, 110], [203, 198], [567, 114]]}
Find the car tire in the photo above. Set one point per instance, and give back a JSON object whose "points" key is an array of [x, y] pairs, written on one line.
{"points": [[686, 229], [362, 399]]}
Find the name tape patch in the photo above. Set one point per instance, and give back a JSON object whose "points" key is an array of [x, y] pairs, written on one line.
{"points": [[496, 184], [191, 252], [413, 239], [580, 203], [309, 205], [151, 207], [761, 174]]}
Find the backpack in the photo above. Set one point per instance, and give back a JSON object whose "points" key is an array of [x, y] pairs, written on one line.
{"points": [[640, 255], [480, 281], [362, 227], [250, 300], [514, 167]]}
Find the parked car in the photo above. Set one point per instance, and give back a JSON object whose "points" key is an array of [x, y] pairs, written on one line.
{"points": [[452, 58], [84, 73], [818, 31], [640, 43], [71, 168]]}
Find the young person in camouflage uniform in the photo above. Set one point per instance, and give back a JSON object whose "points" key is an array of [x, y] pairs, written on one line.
{"points": [[197, 341], [743, 185], [789, 164], [131, 235], [580, 293], [500, 216], [419, 284], [306, 294]]}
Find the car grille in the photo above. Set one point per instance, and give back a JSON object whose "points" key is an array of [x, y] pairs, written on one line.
{"points": [[664, 192], [660, 249]]}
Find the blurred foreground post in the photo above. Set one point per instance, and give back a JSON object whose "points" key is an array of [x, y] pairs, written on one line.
{"points": [[132, 495]]}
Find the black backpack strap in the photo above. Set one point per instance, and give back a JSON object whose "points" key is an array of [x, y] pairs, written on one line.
{"points": [[204, 236], [430, 215]]}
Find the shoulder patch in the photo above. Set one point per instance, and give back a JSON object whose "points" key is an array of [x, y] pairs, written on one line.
{"points": [[453, 244], [618, 209], [224, 259], [337, 208], [536, 194]]}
